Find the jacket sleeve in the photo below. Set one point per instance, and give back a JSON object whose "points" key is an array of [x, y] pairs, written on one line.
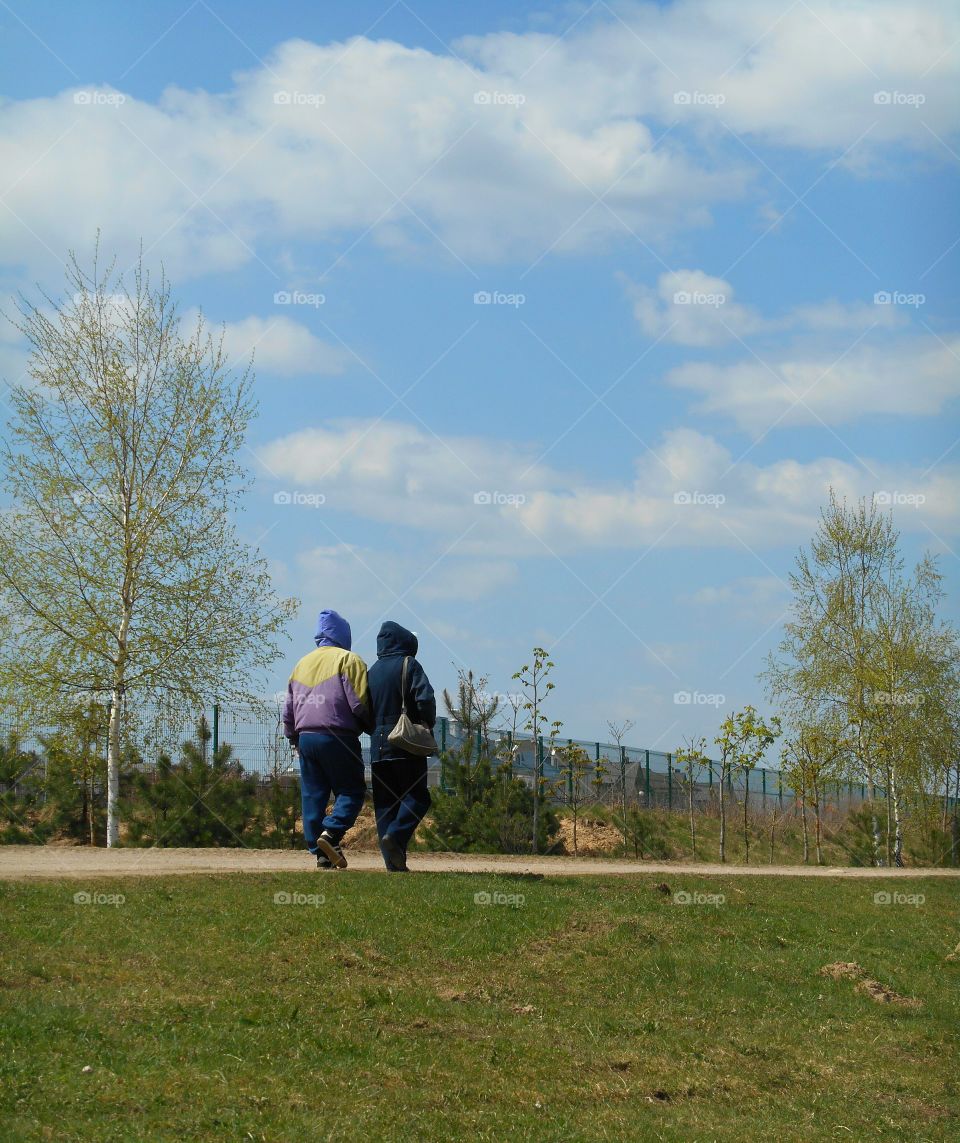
{"points": [[421, 693], [354, 675], [289, 724]]}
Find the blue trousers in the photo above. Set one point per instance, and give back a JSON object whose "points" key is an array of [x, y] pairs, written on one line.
{"points": [[330, 764], [400, 797]]}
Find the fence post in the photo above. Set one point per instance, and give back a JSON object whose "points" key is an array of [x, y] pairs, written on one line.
{"points": [[570, 771], [647, 783], [780, 787], [763, 780], [669, 781], [216, 728]]}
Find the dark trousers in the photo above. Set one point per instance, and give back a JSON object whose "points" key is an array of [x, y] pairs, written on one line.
{"points": [[400, 797], [330, 764]]}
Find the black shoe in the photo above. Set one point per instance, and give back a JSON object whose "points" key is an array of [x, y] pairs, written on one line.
{"points": [[323, 862], [394, 855], [331, 850]]}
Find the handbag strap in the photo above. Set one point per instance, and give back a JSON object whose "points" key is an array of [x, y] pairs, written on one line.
{"points": [[403, 684]]}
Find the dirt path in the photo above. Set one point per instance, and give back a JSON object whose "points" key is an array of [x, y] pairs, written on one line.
{"points": [[26, 862]]}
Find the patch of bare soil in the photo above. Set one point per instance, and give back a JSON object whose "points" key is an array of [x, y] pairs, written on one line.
{"points": [[850, 970], [594, 838]]}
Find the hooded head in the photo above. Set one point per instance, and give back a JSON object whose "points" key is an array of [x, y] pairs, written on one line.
{"points": [[395, 640], [332, 631]]}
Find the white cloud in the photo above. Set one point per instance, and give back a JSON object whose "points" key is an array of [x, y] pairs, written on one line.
{"points": [[691, 307], [323, 139], [761, 599], [692, 492], [915, 376], [797, 75], [282, 346]]}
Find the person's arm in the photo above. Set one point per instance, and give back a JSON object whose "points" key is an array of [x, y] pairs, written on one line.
{"points": [[357, 690], [289, 721], [421, 693]]}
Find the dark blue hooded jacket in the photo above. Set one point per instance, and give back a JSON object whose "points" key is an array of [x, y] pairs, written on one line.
{"points": [[393, 643]]}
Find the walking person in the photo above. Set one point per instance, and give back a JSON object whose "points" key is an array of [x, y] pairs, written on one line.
{"points": [[327, 706], [400, 795]]}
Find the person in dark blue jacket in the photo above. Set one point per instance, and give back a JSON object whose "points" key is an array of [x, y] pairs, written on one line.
{"points": [[400, 795]]}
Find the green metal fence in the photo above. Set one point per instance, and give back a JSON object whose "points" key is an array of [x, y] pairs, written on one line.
{"points": [[643, 776]]}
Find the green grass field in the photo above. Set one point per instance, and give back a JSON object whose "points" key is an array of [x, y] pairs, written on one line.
{"points": [[399, 1008]]}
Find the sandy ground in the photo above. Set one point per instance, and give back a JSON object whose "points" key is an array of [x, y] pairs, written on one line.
{"points": [[28, 862]]}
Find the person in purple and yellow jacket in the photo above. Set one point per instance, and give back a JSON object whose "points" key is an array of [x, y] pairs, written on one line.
{"points": [[328, 705]]}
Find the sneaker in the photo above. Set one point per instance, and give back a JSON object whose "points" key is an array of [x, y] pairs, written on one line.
{"points": [[394, 855], [323, 862], [331, 851]]}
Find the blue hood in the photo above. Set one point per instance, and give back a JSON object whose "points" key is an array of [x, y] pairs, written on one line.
{"points": [[333, 631], [395, 640]]}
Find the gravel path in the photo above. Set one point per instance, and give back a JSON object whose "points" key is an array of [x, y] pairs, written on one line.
{"points": [[27, 862]]}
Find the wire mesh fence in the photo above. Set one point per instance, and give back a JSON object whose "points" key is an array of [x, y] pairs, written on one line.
{"points": [[633, 775]]}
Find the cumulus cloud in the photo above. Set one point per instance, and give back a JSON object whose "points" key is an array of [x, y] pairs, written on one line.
{"points": [[691, 307], [501, 150], [491, 500], [913, 376], [281, 346]]}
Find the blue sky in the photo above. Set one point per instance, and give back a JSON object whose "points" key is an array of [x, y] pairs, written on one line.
{"points": [[720, 247]]}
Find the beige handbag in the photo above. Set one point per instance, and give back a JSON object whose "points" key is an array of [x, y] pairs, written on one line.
{"points": [[408, 735]]}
